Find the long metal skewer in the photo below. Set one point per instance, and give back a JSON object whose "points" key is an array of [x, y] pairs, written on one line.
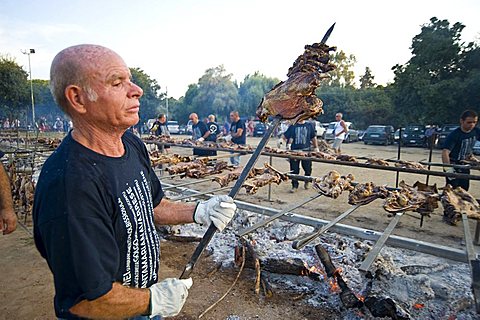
{"points": [[380, 243], [188, 183], [276, 216], [199, 194], [300, 243], [207, 237]]}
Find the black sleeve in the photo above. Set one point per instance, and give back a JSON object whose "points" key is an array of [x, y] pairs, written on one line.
{"points": [[451, 140], [289, 133]]}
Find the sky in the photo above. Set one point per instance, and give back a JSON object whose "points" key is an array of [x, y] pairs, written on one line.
{"points": [[176, 41]]}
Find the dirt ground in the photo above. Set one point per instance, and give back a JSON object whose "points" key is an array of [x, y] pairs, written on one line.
{"points": [[27, 287]]}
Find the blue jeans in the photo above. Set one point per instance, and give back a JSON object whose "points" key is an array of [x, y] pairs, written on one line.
{"points": [[235, 160]]}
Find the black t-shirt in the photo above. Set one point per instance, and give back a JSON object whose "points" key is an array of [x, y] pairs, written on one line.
{"points": [[214, 131], [198, 131], [93, 221], [461, 144], [301, 134], [234, 128]]}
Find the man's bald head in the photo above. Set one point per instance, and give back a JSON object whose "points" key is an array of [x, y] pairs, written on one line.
{"points": [[194, 117], [74, 66]]}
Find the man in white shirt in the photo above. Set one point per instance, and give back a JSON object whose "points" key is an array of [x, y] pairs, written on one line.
{"points": [[340, 130]]}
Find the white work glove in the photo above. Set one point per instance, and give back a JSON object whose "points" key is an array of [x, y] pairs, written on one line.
{"points": [[218, 210], [228, 138], [449, 169], [168, 296], [316, 149], [201, 139], [288, 147]]}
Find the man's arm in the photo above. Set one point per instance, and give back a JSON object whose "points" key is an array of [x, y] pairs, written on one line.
{"points": [[167, 212], [119, 302], [238, 133], [8, 219], [446, 156]]}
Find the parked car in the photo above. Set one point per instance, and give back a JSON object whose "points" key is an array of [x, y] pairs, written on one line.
{"points": [[189, 127], [259, 129], [351, 136], [182, 129], [173, 127], [476, 147], [444, 132], [414, 135], [320, 129], [396, 135], [376, 134]]}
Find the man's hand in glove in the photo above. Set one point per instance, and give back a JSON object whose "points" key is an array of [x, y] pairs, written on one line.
{"points": [[228, 138], [316, 149], [218, 210], [201, 139], [288, 147], [168, 296]]}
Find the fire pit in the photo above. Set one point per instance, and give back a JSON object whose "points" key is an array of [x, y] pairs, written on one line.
{"points": [[403, 284]]}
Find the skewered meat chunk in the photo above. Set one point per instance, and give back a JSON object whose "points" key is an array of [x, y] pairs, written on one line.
{"points": [[411, 199], [322, 155], [364, 193], [455, 201], [376, 161], [185, 166], [344, 157], [409, 165], [471, 160], [332, 184], [157, 158], [295, 99], [206, 171], [269, 175], [323, 146]]}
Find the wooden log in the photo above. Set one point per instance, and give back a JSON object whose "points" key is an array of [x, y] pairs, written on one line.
{"points": [[348, 298]]}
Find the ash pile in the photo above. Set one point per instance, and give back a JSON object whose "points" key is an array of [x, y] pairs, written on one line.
{"points": [[401, 284]]}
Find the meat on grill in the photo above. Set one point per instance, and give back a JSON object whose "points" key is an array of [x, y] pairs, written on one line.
{"points": [[186, 166], [411, 199], [455, 201], [409, 165], [323, 146], [268, 176], [471, 160], [332, 184], [376, 161], [229, 177], [295, 99], [364, 193], [344, 157], [157, 158], [207, 170], [322, 155]]}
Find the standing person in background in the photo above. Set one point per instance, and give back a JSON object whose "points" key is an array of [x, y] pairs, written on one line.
{"points": [[339, 130], [159, 129], [237, 134], [200, 133], [8, 218], [250, 127], [459, 146], [301, 136], [214, 129], [226, 128]]}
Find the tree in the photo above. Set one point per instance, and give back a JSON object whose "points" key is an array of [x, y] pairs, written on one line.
{"points": [[366, 81], [342, 76], [216, 93], [14, 88], [252, 90], [151, 101]]}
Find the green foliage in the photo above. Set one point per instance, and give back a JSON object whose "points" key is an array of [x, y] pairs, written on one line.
{"points": [[252, 90], [14, 88], [343, 75], [152, 102], [366, 81]]}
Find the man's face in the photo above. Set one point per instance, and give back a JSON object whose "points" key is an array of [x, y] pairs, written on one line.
{"points": [[233, 118], [468, 124], [117, 103], [162, 119], [338, 117], [194, 119]]}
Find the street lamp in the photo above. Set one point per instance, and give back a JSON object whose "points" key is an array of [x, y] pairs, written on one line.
{"points": [[29, 52], [166, 101]]}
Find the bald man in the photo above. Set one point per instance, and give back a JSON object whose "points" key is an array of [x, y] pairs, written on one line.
{"points": [[97, 200]]}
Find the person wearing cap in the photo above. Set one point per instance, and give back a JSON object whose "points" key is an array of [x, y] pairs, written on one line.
{"points": [[98, 201]]}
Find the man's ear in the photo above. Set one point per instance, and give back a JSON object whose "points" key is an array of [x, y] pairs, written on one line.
{"points": [[76, 97]]}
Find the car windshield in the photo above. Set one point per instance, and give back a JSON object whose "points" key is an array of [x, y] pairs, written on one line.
{"points": [[331, 126], [375, 129], [415, 129], [172, 123], [449, 128]]}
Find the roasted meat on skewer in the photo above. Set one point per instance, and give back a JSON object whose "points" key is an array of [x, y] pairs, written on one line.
{"points": [[364, 193], [347, 158], [411, 199], [295, 99], [455, 201], [376, 161], [268, 176], [409, 165], [332, 184], [206, 171]]}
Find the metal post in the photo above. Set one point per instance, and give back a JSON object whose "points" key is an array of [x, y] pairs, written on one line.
{"points": [[398, 154], [432, 140], [29, 52], [166, 100], [270, 185]]}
